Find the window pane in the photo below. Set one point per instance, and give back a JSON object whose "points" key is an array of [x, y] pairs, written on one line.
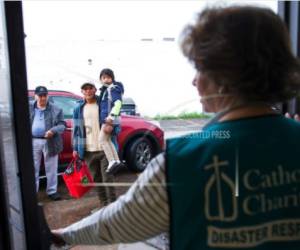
{"points": [[67, 104]]}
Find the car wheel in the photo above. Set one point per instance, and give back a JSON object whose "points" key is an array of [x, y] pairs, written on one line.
{"points": [[139, 154]]}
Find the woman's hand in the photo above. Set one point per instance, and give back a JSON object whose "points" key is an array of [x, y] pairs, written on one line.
{"points": [[56, 238]]}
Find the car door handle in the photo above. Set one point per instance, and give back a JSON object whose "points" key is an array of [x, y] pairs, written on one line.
{"points": [[69, 129]]}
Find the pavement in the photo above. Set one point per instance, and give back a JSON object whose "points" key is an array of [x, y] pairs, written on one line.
{"points": [[182, 125], [175, 128], [68, 210]]}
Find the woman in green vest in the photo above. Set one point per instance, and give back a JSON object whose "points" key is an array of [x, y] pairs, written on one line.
{"points": [[236, 183]]}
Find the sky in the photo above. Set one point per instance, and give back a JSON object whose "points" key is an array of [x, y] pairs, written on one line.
{"points": [[69, 42]]}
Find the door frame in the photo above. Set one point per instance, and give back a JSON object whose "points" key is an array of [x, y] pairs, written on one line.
{"points": [[18, 77]]}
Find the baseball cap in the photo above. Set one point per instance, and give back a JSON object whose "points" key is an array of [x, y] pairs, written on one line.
{"points": [[88, 84], [41, 90]]}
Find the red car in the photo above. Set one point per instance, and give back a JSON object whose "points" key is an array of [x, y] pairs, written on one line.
{"points": [[139, 139]]}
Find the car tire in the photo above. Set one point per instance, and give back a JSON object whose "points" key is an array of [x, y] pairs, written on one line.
{"points": [[139, 153]]}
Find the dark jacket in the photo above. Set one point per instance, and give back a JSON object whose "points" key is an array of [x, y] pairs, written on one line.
{"points": [[54, 121], [109, 95]]}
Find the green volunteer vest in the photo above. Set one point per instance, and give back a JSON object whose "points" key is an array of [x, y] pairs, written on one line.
{"points": [[236, 185]]}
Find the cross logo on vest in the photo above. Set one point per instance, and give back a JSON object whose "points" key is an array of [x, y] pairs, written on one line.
{"points": [[219, 190]]}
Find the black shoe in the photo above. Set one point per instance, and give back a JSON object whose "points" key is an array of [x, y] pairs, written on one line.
{"points": [[54, 197], [113, 169]]}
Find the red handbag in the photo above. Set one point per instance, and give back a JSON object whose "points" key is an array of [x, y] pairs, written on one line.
{"points": [[78, 178]]}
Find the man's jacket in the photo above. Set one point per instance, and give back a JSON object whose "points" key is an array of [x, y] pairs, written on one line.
{"points": [[79, 136], [54, 121]]}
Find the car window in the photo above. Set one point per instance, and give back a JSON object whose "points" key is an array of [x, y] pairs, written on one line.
{"points": [[128, 109], [67, 104]]}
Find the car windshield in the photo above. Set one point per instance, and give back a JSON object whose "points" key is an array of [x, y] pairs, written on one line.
{"points": [[67, 104]]}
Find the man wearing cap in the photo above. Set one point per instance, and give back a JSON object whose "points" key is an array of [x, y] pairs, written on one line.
{"points": [[47, 125], [86, 142]]}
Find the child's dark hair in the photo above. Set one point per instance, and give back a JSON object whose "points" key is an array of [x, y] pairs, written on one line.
{"points": [[108, 72]]}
